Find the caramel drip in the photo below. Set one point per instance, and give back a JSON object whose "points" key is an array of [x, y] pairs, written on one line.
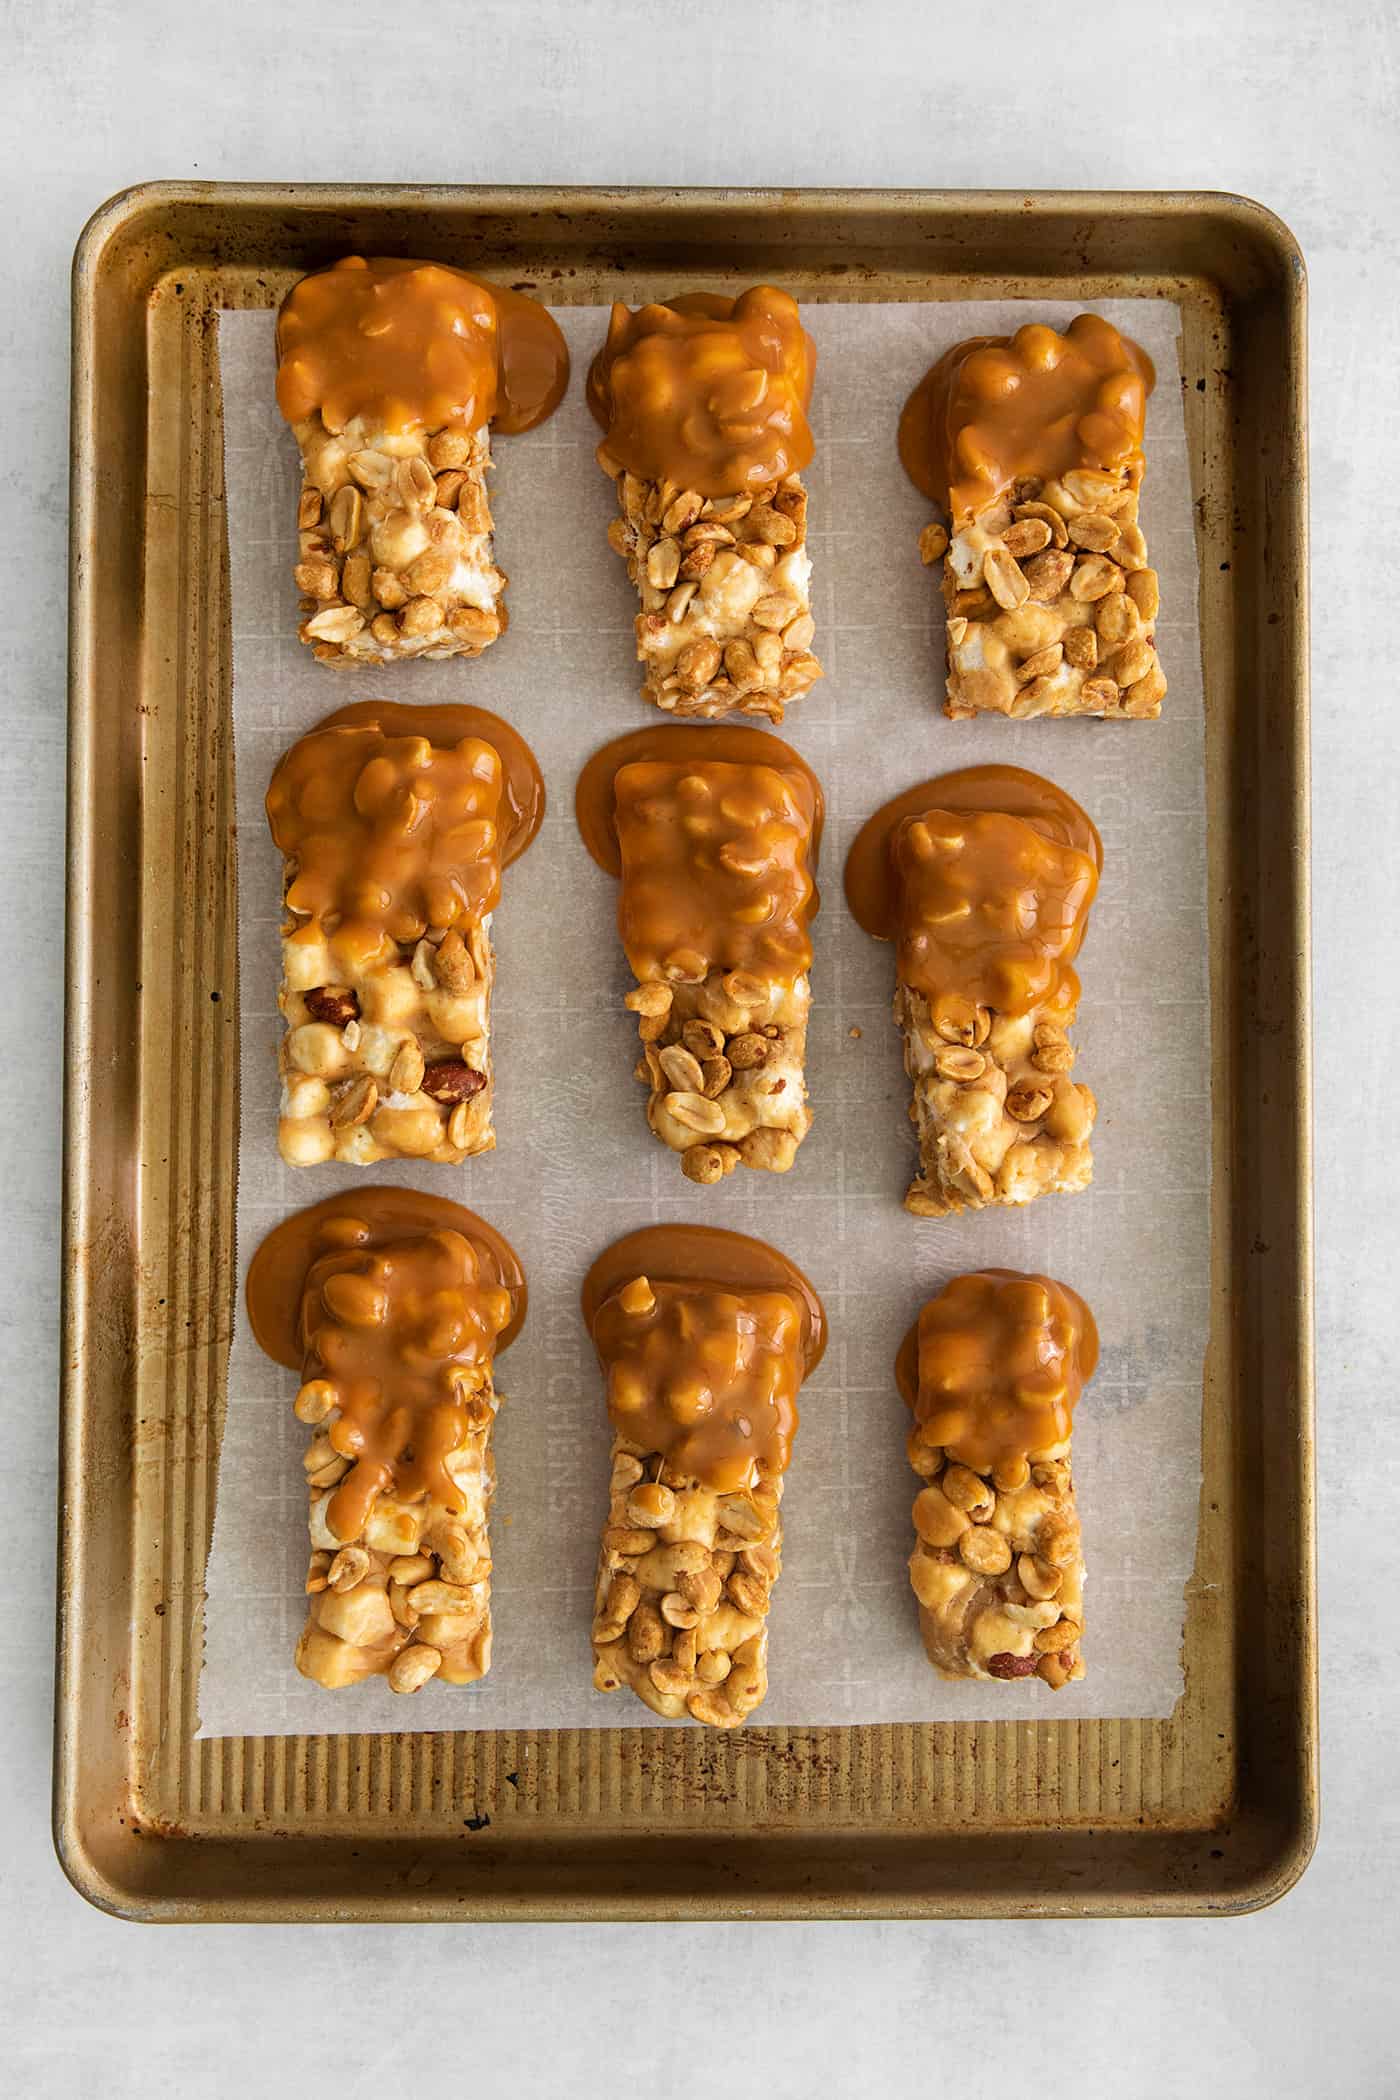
{"points": [[704, 1337], [985, 878], [714, 833], [994, 1365], [399, 1301], [408, 345], [996, 409], [706, 392], [391, 828]]}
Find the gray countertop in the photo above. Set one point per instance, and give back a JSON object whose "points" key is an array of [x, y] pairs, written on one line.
{"points": [[1287, 102]]}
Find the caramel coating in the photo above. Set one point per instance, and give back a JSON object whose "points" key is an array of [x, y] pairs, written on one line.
{"points": [[715, 870], [389, 835], [996, 409], [394, 1330], [1001, 1360], [707, 1377], [991, 910], [708, 393], [406, 345]]}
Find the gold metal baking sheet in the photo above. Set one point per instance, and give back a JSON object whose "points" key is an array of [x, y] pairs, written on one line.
{"points": [[1213, 1810]]}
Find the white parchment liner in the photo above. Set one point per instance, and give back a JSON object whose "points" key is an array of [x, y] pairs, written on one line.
{"points": [[576, 1166]]}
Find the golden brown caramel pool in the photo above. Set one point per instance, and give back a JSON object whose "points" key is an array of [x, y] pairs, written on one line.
{"points": [[1000, 1360], [715, 868], [707, 1378], [407, 345], [990, 910]]}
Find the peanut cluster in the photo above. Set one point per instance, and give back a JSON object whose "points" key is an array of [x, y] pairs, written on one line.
{"points": [[684, 1583], [998, 1568], [1051, 602], [723, 1058], [726, 622], [396, 553], [391, 1061], [410, 1598], [999, 1119]]}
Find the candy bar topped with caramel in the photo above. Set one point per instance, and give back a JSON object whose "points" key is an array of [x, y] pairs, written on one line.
{"points": [[1032, 444], [395, 824], [704, 1338], [715, 834], [392, 375], [983, 879], [703, 404], [391, 1306], [395, 1331], [991, 1373]]}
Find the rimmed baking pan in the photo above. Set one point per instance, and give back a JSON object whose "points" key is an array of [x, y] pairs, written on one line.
{"points": [[1211, 1810]]}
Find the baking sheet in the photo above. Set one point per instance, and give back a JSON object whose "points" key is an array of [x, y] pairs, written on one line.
{"points": [[575, 1165]]}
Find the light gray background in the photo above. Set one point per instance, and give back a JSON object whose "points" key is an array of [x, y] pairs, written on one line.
{"points": [[1289, 102]]}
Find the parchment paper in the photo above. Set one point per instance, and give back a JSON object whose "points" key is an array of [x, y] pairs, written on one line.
{"points": [[576, 1166]]}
